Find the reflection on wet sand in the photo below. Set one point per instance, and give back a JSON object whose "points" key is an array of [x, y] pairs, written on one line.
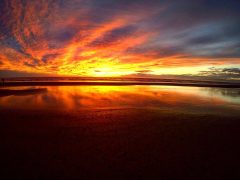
{"points": [[79, 97], [130, 132], [230, 95]]}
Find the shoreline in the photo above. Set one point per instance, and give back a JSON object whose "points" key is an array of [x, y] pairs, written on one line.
{"points": [[95, 83]]}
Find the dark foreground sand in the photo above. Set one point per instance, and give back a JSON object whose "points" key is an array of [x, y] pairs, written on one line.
{"points": [[118, 144]]}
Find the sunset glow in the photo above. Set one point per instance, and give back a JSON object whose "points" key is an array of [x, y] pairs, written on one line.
{"points": [[120, 89], [117, 38]]}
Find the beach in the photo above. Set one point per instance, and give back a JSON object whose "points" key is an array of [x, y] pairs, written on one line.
{"points": [[130, 132], [120, 89], [80, 81]]}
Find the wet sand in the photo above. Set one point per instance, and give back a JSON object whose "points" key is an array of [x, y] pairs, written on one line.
{"points": [[135, 132], [118, 144], [21, 92]]}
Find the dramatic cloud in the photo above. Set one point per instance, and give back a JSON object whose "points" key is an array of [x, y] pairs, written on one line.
{"points": [[222, 73], [118, 37]]}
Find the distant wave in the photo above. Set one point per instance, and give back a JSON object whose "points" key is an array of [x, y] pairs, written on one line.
{"points": [[109, 79]]}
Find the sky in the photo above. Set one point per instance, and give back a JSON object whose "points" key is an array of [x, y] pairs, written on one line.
{"points": [[111, 38]]}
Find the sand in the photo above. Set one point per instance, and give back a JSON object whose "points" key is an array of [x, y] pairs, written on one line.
{"points": [[21, 92], [118, 144]]}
